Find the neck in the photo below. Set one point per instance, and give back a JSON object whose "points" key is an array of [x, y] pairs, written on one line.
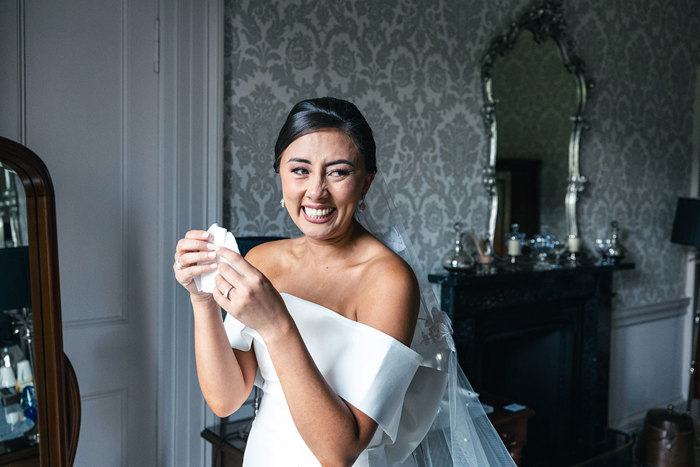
{"points": [[337, 248]]}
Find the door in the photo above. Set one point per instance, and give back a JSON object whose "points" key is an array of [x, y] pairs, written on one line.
{"points": [[91, 101]]}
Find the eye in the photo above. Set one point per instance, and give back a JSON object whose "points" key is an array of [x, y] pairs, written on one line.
{"points": [[339, 173], [300, 171]]}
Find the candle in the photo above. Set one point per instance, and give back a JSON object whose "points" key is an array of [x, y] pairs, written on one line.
{"points": [[514, 246], [574, 244]]}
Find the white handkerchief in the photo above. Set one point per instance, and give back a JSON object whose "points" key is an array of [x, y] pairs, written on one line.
{"points": [[219, 237]]}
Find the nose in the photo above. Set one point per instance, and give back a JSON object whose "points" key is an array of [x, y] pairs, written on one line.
{"points": [[318, 186]]}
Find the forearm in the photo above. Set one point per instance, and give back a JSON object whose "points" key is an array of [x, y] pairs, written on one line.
{"points": [[220, 375], [323, 419]]}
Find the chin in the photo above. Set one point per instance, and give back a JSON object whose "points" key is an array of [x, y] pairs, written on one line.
{"points": [[321, 232], [318, 234]]}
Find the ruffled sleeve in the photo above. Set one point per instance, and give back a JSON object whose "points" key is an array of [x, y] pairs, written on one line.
{"points": [[369, 369], [239, 335], [373, 374]]}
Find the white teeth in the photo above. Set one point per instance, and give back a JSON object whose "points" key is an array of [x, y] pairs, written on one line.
{"points": [[317, 213]]}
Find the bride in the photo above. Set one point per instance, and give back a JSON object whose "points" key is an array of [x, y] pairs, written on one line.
{"points": [[324, 323]]}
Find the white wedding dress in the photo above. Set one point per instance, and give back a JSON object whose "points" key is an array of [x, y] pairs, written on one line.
{"points": [[369, 369], [428, 414]]}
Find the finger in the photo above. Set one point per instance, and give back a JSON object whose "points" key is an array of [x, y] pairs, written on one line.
{"points": [[187, 244], [237, 261], [219, 298], [194, 270], [221, 284], [189, 259], [198, 234], [185, 277], [231, 275]]}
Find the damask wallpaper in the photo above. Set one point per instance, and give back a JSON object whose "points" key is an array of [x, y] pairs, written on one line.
{"points": [[412, 67]]}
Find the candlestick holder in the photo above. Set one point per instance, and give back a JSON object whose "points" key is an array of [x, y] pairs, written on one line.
{"points": [[572, 259], [514, 244], [573, 251]]}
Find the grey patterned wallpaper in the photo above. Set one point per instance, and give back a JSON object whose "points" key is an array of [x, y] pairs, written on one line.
{"points": [[412, 67]]}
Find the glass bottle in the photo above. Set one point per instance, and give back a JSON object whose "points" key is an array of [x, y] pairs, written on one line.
{"points": [[457, 259]]}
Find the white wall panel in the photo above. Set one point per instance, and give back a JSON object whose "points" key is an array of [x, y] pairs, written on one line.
{"points": [[647, 361], [76, 88], [105, 444], [9, 71]]}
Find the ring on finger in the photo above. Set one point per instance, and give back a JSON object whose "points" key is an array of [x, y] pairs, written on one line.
{"points": [[177, 263], [228, 290]]}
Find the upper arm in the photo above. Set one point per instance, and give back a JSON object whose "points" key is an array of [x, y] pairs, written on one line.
{"points": [[249, 368], [390, 300]]}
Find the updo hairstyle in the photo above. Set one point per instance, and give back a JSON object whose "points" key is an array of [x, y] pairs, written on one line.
{"points": [[325, 113]]}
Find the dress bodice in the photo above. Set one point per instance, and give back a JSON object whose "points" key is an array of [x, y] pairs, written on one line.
{"points": [[366, 367]]}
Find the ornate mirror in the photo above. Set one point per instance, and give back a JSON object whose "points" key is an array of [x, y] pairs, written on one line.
{"points": [[535, 91], [40, 398]]}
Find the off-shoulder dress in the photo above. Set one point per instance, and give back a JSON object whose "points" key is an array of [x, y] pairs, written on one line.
{"points": [[369, 369]]}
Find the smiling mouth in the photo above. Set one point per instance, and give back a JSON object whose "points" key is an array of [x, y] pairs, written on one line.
{"points": [[317, 214]]}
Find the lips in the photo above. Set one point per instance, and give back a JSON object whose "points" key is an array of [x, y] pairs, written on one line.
{"points": [[317, 215]]}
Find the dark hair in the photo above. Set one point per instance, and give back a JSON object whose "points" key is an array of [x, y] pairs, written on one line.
{"points": [[324, 113]]}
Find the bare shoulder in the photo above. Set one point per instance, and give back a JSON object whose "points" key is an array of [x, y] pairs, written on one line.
{"points": [[390, 298], [269, 257]]}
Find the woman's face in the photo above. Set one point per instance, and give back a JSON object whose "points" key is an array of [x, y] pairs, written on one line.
{"points": [[323, 178]]}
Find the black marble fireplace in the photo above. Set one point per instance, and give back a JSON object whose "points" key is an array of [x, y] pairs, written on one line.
{"points": [[541, 338]]}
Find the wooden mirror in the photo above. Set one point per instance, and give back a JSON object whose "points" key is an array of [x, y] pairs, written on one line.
{"points": [[53, 441]]}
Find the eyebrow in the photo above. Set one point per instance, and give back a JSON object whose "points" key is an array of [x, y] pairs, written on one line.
{"points": [[336, 162]]}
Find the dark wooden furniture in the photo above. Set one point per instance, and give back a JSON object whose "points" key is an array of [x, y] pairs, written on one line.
{"points": [[510, 425], [227, 442], [541, 338], [25, 457], [56, 386]]}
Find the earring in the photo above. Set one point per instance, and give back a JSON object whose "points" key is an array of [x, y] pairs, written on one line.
{"points": [[362, 205], [282, 202]]}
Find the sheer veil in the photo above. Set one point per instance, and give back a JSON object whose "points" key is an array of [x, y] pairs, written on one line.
{"points": [[442, 422]]}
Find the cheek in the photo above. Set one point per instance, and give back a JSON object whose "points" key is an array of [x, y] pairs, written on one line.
{"points": [[290, 185], [349, 191]]}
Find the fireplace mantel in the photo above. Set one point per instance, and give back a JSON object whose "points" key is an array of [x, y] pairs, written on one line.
{"points": [[541, 338]]}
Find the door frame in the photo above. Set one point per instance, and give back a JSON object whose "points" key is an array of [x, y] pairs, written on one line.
{"points": [[190, 189]]}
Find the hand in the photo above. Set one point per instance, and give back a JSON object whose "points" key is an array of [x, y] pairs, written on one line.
{"points": [[194, 255], [247, 295]]}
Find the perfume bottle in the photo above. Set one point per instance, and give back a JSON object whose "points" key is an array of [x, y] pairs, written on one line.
{"points": [[457, 259]]}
